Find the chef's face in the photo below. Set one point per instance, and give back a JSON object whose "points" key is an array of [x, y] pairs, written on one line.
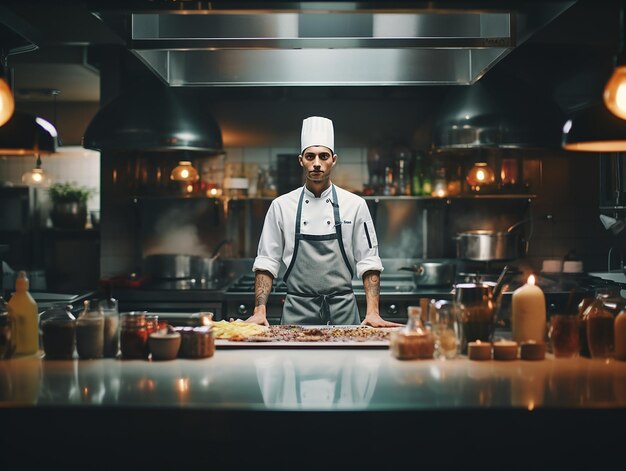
{"points": [[317, 163]]}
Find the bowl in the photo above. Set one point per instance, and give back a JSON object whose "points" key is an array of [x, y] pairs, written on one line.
{"points": [[164, 345]]}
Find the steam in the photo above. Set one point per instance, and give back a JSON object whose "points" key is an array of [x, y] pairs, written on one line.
{"points": [[174, 233]]}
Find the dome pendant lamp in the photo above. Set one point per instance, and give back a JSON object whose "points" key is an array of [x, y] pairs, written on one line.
{"points": [[615, 89], [7, 101]]}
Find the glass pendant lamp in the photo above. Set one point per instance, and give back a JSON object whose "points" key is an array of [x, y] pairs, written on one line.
{"points": [[480, 175], [37, 177], [184, 172]]}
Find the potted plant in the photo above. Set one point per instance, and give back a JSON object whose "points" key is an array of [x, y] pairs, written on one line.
{"points": [[69, 205]]}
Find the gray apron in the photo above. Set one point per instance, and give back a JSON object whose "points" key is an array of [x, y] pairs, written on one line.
{"points": [[319, 277]]}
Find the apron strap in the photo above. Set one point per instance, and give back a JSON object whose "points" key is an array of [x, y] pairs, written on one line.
{"points": [[298, 235], [338, 231]]}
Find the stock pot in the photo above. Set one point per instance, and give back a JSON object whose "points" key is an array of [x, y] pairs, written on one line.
{"points": [[488, 246], [432, 273], [178, 266]]}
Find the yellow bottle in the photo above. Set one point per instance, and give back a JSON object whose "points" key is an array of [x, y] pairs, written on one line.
{"points": [[23, 308]]}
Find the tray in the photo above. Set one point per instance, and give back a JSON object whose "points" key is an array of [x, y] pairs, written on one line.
{"points": [[224, 343]]}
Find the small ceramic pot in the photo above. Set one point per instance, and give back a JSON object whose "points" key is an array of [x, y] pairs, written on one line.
{"points": [[164, 345]]}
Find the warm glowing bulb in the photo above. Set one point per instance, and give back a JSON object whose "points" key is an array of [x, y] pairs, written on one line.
{"points": [[7, 102], [37, 177], [480, 176], [184, 173], [615, 92]]}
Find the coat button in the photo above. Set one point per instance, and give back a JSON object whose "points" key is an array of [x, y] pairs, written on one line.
{"points": [[327, 222], [304, 223], [306, 201], [327, 200]]}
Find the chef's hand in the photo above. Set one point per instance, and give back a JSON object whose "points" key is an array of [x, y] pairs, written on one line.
{"points": [[259, 316], [373, 319]]}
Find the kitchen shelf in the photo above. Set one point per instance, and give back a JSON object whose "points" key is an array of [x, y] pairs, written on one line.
{"points": [[450, 198]]}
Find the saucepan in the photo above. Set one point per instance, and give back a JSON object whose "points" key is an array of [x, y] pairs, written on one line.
{"points": [[432, 273]]}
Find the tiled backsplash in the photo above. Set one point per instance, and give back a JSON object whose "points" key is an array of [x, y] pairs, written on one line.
{"points": [[70, 164]]}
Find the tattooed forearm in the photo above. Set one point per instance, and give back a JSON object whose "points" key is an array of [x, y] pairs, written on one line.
{"points": [[262, 287], [371, 283]]}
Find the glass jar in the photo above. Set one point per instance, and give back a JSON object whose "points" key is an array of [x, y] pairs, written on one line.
{"points": [[111, 342], [445, 324], [600, 319], [90, 332], [7, 329], [134, 336], [414, 341], [57, 327]]}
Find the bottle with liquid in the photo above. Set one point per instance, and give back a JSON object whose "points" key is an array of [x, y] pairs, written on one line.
{"points": [[389, 189], [414, 341], [23, 309], [403, 183], [90, 332], [58, 332], [600, 317], [416, 177]]}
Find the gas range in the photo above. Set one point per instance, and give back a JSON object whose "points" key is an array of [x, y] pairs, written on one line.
{"points": [[397, 292]]}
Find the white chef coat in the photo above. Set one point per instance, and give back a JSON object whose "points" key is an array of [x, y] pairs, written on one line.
{"points": [[278, 236]]}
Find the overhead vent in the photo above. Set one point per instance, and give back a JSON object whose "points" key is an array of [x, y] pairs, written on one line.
{"points": [[328, 43]]}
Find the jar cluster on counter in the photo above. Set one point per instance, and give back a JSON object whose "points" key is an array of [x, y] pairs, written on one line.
{"points": [[99, 331]]}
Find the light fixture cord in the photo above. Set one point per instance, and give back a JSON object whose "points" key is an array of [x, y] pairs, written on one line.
{"points": [[620, 59]]}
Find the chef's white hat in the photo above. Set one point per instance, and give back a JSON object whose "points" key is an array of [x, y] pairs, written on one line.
{"points": [[317, 131]]}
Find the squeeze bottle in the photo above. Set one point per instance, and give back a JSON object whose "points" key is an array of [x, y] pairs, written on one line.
{"points": [[23, 309]]}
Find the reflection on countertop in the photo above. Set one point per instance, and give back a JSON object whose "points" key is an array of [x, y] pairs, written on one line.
{"points": [[315, 380]]}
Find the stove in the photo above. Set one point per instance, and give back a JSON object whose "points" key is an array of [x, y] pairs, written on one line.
{"points": [[397, 292]]}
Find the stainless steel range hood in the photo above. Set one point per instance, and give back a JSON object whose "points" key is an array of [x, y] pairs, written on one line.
{"points": [[330, 43]]}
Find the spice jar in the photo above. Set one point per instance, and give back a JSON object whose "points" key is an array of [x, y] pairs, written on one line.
{"points": [[7, 329], [196, 342], [90, 332], [109, 310], [134, 336], [58, 332], [414, 340]]}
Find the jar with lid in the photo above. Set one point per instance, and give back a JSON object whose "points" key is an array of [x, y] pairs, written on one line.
{"points": [[134, 336], [57, 327], [600, 319], [90, 332], [413, 341], [7, 329]]}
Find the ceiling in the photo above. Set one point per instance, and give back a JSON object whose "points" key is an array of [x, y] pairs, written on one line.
{"points": [[566, 56]]}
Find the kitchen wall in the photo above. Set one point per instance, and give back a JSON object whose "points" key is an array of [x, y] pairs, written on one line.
{"points": [[259, 126]]}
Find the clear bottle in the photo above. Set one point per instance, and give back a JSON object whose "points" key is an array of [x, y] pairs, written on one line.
{"points": [[23, 309], [108, 307], [601, 316], [58, 332], [414, 341], [90, 332], [403, 183], [416, 177], [7, 329], [389, 189]]}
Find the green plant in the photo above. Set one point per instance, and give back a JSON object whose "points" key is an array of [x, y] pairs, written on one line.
{"points": [[69, 193]]}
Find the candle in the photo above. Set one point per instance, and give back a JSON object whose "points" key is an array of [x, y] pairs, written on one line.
{"points": [[479, 350], [505, 350], [528, 313], [532, 350]]}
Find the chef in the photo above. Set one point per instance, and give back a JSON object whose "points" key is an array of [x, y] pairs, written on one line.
{"points": [[323, 235]]}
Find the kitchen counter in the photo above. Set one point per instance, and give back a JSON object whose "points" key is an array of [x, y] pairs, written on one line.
{"points": [[240, 403]]}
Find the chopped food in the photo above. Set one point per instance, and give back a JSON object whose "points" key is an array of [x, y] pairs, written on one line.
{"points": [[236, 330], [295, 333]]}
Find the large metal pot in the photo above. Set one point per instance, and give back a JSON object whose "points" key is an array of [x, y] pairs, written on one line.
{"points": [[486, 246], [174, 266], [432, 273]]}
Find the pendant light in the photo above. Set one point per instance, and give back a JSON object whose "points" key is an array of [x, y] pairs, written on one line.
{"points": [[37, 177], [7, 101], [184, 172], [615, 89], [154, 118], [594, 129]]}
